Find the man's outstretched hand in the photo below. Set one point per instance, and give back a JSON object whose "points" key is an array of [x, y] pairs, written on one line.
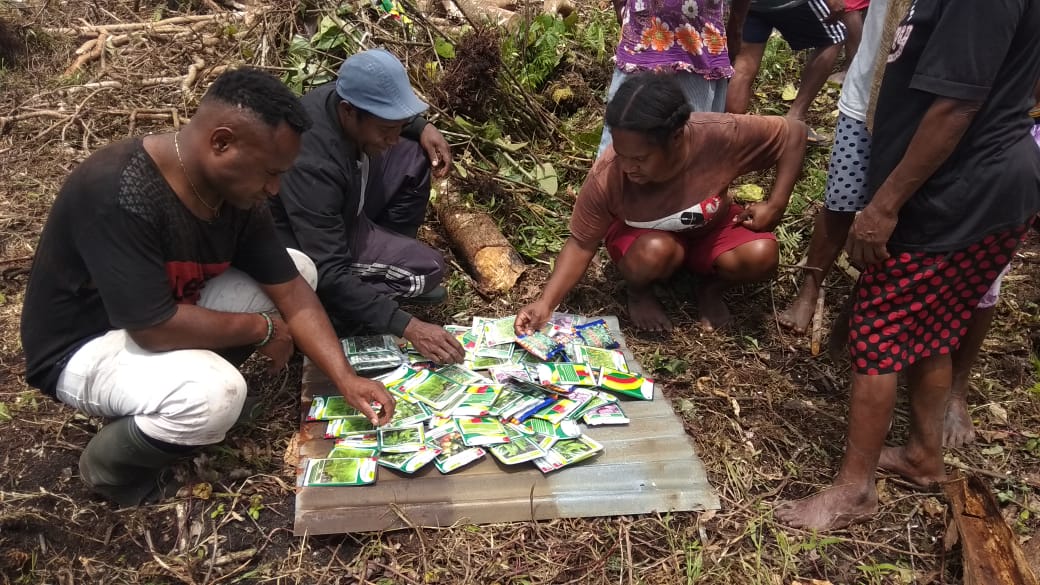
{"points": [[434, 342], [362, 392], [439, 151]]}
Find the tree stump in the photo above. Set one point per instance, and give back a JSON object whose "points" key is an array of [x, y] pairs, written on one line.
{"points": [[494, 263]]}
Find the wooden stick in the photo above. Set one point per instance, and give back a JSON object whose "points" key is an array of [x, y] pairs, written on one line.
{"points": [[96, 29], [817, 324]]}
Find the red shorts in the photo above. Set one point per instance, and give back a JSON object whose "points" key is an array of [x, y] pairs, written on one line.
{"points": [[918, 304], [854, 5], [701, 247]]}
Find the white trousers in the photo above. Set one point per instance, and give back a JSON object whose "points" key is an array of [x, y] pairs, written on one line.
{"points": [[182, 397]]}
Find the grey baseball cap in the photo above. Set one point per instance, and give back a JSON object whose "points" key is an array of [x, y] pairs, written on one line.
{"points": [[375, 81]]}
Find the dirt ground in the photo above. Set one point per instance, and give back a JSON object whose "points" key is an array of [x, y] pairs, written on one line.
{"points": [[767, 417]]}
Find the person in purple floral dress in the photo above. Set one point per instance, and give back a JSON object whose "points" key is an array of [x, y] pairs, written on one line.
{"points": [[686, 38]]}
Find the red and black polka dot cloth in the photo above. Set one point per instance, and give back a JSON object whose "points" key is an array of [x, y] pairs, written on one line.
{"points": [[916, 304]]}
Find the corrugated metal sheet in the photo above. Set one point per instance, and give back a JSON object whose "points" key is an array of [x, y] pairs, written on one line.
{"points": [[647, 466]]}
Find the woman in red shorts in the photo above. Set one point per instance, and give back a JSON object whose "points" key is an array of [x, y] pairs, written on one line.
{"points": [[658, 199]]}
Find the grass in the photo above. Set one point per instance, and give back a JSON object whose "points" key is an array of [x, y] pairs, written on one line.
{"points": [[767, 418]]}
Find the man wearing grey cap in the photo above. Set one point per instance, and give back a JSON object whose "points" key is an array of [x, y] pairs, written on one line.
{"points": [[356, 196]]}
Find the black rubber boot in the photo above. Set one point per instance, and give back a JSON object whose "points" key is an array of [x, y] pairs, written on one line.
{"points": [[123, 465]]}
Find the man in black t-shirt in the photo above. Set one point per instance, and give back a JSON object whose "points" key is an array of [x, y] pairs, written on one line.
{"points": [[158, 253], [954, 179]]}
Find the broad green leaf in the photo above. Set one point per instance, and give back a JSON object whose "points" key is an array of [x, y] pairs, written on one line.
{"points": [[444, 48], [547, 179], [789, 93]]}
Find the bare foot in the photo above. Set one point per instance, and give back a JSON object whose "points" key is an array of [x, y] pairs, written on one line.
{"points": [[714, 312], [914, 469], [833, 508], [799, 315], [958, 429], [646, 311]]}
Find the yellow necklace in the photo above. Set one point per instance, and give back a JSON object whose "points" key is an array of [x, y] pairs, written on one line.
{"points": [[177, 148]]}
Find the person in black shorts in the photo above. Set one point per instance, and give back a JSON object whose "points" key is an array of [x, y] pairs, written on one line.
{"points": [[159, 272], [804, 24]]}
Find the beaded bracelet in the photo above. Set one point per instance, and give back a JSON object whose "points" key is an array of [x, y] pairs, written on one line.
{"points": [[270, 330]]}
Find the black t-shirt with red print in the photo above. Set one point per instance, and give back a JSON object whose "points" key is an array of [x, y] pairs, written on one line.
{"points": [[982, 51], [120, 251]]}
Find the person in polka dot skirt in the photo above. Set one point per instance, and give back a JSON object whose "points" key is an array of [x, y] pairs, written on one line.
{"points": [[954, 180]]}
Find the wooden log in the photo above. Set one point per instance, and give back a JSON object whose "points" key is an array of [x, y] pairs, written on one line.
{"points": [[493, 261], [990, 551]]}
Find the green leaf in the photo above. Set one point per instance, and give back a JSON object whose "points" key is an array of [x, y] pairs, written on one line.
{"points": [[547, 178], [789, 93], [5, 412], [444, 48], [509, 146]]}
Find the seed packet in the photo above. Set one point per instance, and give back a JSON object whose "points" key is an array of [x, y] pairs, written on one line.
{"points": [[502, 351], [369, 343], [414, 358], [596, 334], [365, 440], [608, 414], [454, 453], [370, 353], [340, 451], [568, 452], [330, 407], [599, 399], [401, 439], [499, 331], [518, 397], [409, 462], [506, 372], [564, 407], [476, 400], [475, 362], [457, 330], [524, 357], [626, 384], [566, 374], [517, 450], [433, 390], [348, 425], [540, 345], [481, 430], [566, 429], [340, 472], [459, 374], [410, 413], [564, 335], [565, 319], [597, 357], [396, 379]]}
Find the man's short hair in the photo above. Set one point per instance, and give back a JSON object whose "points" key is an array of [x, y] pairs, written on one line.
{"points": [[265, 96]]}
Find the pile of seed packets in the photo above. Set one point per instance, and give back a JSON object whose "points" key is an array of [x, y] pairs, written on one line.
{"points": [[523, 399]]}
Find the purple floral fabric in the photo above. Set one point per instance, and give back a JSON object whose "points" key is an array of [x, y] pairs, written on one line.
{"points": [[675, 35]]}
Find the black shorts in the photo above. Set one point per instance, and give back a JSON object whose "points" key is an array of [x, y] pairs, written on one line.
{"points": [[801, 26]]}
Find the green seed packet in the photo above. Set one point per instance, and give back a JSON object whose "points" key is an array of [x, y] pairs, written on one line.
{"points": [[344, 452], [410, 413], [566, 374], [395, 380], [329, 407], [519, 450], [369, 344], [476, 400], [481, 430], [460, 375], [369, 440], [454, 453], [598, 357], [567, 429], [501, 352], [408, 462], [608, 414], [499, 331], [540, 345], [564, 407], [432, 389], [340, 472], [626, 384], [476, 362], [568, 452], [349, 425], [401, 439]]}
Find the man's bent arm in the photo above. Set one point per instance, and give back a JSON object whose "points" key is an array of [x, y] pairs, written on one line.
{"points": [[194, 327]]}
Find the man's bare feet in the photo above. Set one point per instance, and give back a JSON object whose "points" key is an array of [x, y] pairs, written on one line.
{"points": [[799, 315], [833, 508], [646, 311], [958, 429], [714, 312], [914, 469]]}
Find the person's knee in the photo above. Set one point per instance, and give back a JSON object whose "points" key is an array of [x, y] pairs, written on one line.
{"points": [[750, 262], [652, 256], [429, 266], [305, 266], [203, 408]]}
